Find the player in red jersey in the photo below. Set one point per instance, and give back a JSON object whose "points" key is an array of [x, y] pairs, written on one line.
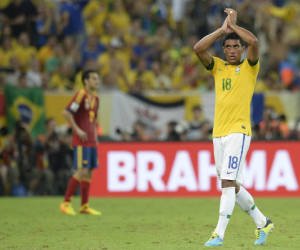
{"points": [[81, 114]]}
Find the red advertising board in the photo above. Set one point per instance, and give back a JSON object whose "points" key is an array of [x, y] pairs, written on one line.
{"points": [[187, 169]]}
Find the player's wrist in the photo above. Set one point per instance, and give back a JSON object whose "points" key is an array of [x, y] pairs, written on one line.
{"points": [[220, 31], [233, 26], [77, 130]]}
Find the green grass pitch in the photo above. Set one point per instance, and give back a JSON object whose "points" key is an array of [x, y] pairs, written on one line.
{"points": [[141, 224]]}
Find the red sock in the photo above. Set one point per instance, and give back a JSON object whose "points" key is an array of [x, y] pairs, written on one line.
{"points": [[84, 191], [71, 190]]}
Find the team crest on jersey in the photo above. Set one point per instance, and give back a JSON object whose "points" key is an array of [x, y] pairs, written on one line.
{"points": [[237, 69], [74, 106]]}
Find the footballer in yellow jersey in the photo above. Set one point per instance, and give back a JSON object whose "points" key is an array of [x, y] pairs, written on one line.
{"points": [[234, 86]]}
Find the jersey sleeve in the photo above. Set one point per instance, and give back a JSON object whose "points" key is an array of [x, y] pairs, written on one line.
{"points": [[76, 101], [216, 62], [254, 67]]}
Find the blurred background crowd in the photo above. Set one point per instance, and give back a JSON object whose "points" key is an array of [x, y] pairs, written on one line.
{"points": [[136, 46], [139, 45]]}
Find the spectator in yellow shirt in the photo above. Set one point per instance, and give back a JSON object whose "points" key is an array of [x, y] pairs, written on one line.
{"points": [[7, 32], [114, 67], [145, 79], [71, 50], [119, 17], [25, 52], [13, 75], [95, 13], [7, 51], [46, 51], [162, 81], [109, 32], [62, 79]]}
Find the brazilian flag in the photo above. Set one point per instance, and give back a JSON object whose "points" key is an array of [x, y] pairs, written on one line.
{"points": [[26, 105]]}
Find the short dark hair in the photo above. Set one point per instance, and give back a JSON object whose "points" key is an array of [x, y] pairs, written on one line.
{"points": [[233, 36], [86, 75], [197, 107]]}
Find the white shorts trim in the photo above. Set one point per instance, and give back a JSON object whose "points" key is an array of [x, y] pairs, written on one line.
{"points": [[230, 153]]}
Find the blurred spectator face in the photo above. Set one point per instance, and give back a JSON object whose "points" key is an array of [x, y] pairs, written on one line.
{"points": [[136, 25], [51, 125], [156, 67], [92, 41], [17, 2], [118, 5], [44, 11], [45, 80], [15, 63], [187, 59], [163, 30], [58, 51], [52, 41], [24, 39], [22, 81], [68, 42], [268, 112], [7, 44], [139, 127], [142, 66], [142, 39], [139, 131], [35, 65], [165, 57], [197, 112], [7, 31], [140, 8], [233, 51], [171, 126], [108, 27], [90, 64], [269, 82], [66, 70], [138, 86]]}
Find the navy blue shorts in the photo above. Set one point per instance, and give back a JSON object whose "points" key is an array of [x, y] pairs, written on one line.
{"points": [[85, 157]]}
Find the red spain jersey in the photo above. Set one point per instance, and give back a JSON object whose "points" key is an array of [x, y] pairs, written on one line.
{"points": [[84, 108]]}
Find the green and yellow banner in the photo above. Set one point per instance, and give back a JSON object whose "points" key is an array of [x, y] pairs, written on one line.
{"points": [[26, 105]]}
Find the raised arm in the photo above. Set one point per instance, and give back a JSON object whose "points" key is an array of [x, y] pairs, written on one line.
{"points": [[245, 35], [202, 46]]}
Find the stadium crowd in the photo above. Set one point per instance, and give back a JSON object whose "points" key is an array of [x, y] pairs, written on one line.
{"points": [[138, 45], [135, 46]]}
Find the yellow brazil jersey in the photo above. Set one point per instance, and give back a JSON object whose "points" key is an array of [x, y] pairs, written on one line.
{"points": [[95, 13], [234, 87]]}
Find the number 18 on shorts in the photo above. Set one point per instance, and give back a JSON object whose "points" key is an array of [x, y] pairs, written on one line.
{"points": [[230, 152]]}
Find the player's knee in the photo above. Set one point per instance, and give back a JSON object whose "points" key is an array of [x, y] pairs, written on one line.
{"points": [[83, 173], [228, 183]]}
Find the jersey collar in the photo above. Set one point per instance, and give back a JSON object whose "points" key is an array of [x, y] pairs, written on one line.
{"points": [[226, 63]]}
